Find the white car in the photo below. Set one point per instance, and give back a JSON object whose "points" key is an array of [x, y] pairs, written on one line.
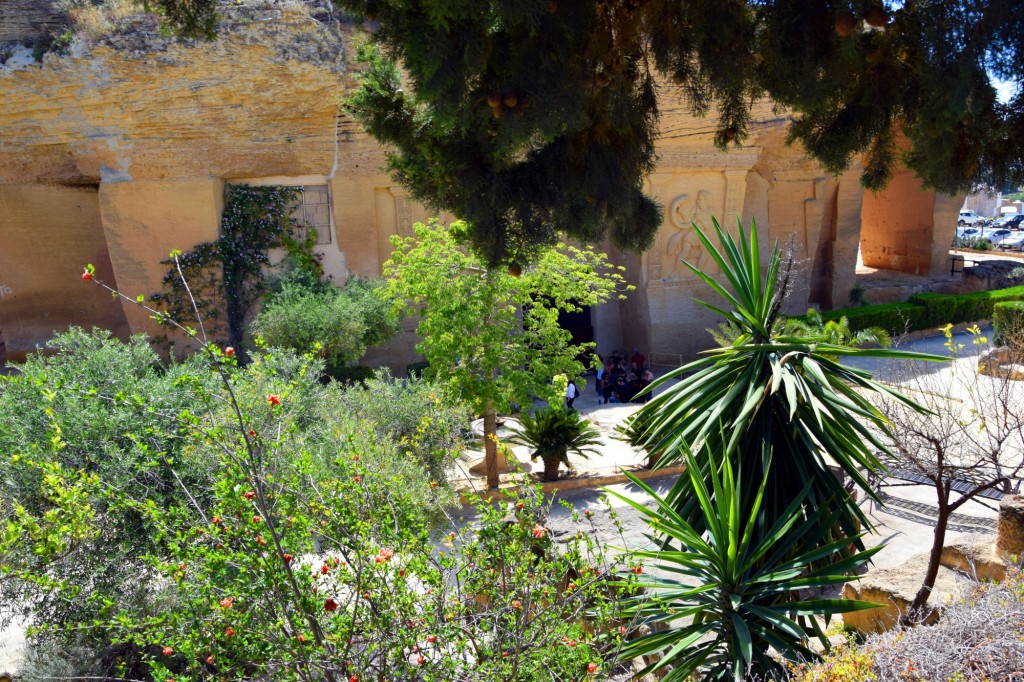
{"points": [[968, 218], [997, 236], [968, 232], [1015, 242]]}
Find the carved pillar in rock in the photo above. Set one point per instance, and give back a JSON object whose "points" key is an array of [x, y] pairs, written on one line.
{"points": [[846, 223], [945, 213], [819, 235], [144, 220], [47, 235], [735, 191]]}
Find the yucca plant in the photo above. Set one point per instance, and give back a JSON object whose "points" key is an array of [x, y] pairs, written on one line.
{"points": [[733, 592], [768, 393], [553, 433]]}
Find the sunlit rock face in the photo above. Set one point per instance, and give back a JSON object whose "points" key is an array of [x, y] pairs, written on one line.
{"points": [[119, 151]]}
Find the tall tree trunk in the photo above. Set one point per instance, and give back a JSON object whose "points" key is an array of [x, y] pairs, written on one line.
{"points": [[491, 444], [939, 541]]}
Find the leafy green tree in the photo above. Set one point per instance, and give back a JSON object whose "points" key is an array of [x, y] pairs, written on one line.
{"points": [[493, 336], [303, 553], [521, 114], [518, 115]]}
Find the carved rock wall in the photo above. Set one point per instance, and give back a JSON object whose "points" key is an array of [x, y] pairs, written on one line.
{"points": [[48, 234], [140, 134], [907, 228], [120, 153]]}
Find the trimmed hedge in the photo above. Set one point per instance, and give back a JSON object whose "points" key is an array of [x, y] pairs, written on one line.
{"points": [[895, 318], [1008, 322], [950, 308], [927, 311]]}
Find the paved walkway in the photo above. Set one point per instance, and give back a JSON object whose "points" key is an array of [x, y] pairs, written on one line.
{"points": [[904, 525]]}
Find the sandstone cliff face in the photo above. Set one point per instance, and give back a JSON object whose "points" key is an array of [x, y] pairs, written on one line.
{"points": [[260, 100], [119, 152], [23, 21]]}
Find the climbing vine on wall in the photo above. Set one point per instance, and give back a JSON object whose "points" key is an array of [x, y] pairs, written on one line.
{"points": [[228, 276]]}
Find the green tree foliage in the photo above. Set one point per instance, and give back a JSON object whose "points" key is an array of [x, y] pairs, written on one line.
{"points": [[493, 336], [306, 547], [520, 115], [96, 427], [308, 315], [424, 423]]}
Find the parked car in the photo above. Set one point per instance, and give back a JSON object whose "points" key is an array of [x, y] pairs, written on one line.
{"points": [[1012, 221], [968, 232], [969, 218], [996, 236], [1015, 242]]}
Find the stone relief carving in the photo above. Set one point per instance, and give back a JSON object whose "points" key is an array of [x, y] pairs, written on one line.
{"points": [[684, 245]]}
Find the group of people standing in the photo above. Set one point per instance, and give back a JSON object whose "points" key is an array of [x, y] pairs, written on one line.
{"points": [[618, 382]]}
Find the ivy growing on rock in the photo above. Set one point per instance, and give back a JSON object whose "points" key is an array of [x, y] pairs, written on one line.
{"points": [[227, 277]]}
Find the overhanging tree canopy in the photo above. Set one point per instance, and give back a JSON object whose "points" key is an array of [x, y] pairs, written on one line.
{"points": [[529, 116]]}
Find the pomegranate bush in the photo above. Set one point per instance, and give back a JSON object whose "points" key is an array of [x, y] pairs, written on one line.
{"points": [[304, 544]]}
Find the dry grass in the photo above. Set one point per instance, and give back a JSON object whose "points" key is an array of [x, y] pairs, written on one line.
{"points": [[96, 20], [980, 638]]}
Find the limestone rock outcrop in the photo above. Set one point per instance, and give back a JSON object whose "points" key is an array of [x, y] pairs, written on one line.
{"points": [[23, 21], [118, 152], [894, 589]]}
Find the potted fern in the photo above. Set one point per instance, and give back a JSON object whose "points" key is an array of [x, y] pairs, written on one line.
{"points": [[553, 433]]}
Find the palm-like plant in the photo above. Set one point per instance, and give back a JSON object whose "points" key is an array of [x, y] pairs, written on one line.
{"points": [[765, 393], [553, 433], [834, 332], [726, 593]]}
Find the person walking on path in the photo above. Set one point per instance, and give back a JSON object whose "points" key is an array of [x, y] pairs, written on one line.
{"points": [[571, 393]]}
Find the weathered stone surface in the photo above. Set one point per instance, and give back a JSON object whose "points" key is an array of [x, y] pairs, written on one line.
{"points": [[23, 21], [155, 128], [894, 589], [1010, 528], [48, 234], [976, 557], [1003, 361]]}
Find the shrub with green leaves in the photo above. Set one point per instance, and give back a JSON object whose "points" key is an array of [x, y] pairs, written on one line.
{"points": [[554, 433], [941, 309], [105, 408], [308, 549], [726, 594], [761, 424], [1008, 323], [309, 315], [418, 416], [143, 431]]}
